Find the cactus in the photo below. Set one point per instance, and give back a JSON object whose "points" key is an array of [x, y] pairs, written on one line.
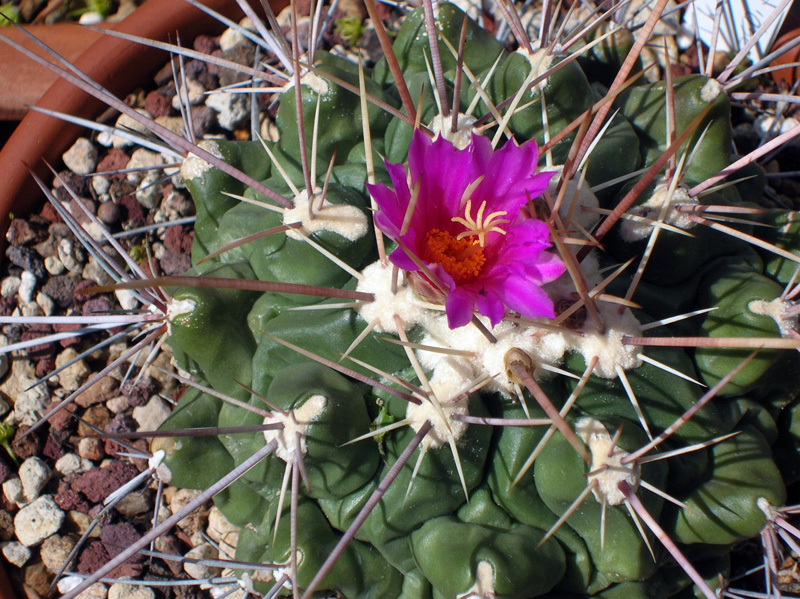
{"points": [[464, 397]]}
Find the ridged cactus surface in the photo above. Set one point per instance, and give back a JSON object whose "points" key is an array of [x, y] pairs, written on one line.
{"points": [[472, 306]]}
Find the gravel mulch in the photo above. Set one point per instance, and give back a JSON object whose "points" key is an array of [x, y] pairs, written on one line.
{"points": [[55, 480]]}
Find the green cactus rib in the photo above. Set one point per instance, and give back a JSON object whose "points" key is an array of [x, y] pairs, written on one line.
{"points": [[467, 516]]}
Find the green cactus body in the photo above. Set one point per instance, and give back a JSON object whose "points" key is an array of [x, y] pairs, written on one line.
{"points": [[455, 522]]}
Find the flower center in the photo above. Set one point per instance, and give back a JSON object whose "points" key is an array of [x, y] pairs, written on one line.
{"points": [[462, 258], [482, 225]]}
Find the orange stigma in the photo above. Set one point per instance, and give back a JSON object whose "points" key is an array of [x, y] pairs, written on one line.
{"points": [[462, 258]]}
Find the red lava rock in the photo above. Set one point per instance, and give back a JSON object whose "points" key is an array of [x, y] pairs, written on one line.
{"points": [[178, 239], [44, 367], [22, 232], [80, 214], [96, 305], [133, 213], [203, 119], [92, 557], [61, 420], [65, 328], [171, 545], [27, 259], [49, 213], [198, 70], [101, 391], [5, 471], [173, 263], [60, 289], [52, 448], [38, 352], [27, 445], [206, 44], [99, 483], [157, 104], [118, 425], [138, 391], [118, 537], [114, 160], [7, 306], [77, 183], [78, 291], [68, 499]]}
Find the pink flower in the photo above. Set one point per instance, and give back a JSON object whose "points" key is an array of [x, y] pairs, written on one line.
{"points": [[465, 224]]}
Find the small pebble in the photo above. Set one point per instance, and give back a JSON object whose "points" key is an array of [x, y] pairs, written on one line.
{"points": [[127, 124], [201, 571], [73, 375], [134, 504], [100, 185], [180, 499], [117, 405], [231, 109], [70, 255], [80, 522], [16, 553], [173, 123], [70, 463], [221, 530], [128, 591], [33, 474], [230, 38], [54, 266], [94, 272], [12, 490], [38, 520], [91, 18], [30, 401], [126, 299], [81, 158], [27, 286], [148, 194], [31, 309], [91, 449], [109, 213], [152, 414], [146, 161], [55, 551], [10, 286], [97, 591], [196, 94], [45, 303]]}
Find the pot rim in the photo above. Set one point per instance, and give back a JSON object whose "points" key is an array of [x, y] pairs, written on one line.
{"points": [[116, 64]]}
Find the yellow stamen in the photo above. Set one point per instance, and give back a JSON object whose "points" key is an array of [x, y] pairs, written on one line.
{"points": [[479, 226]]}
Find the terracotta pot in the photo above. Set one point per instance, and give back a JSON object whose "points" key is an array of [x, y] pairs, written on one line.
{"points": [[119, 66], [788, 75], [6, 590]]}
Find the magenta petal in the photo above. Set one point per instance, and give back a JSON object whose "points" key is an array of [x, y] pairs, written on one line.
{"points": [[549, 267], [459, 306], [401, 260], [526, 298], [491, 305]]}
